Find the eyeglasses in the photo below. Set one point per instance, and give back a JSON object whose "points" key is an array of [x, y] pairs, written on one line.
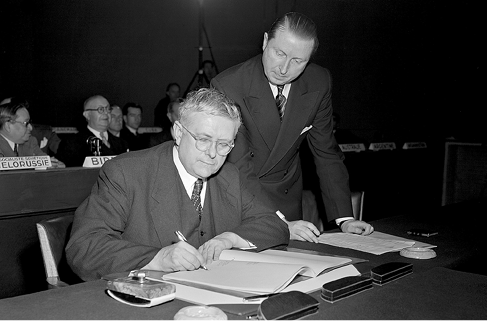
{"points": [[102, 110], [203, 144], [25, 123]]}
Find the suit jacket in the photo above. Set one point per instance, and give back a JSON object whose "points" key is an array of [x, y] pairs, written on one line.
{"points": [[267, 151], [45, 132], [135, 142], [29, 148], [73, 149], [139, 202]]}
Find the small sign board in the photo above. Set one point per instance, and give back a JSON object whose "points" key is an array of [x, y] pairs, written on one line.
{"points": [[25, 162], [382, 146], [414, 145], [352, 147], [65, 130], [149, 130], [96, 161]]}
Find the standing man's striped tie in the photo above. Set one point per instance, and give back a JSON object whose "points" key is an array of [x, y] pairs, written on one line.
{"points": [[280, 101]]}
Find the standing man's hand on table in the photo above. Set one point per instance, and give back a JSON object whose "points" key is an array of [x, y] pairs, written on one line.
{"points": [[357, 227], [303, 231]]}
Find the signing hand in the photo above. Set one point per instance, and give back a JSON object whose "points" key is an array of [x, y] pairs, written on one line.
{"points": [[357, 227], [303, 231], [180, 256]]}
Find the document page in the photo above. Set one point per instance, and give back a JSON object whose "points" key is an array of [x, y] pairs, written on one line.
{"points": [[315, 263], [251, 277], [362, 243]]}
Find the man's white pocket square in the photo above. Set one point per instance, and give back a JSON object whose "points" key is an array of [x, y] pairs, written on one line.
{"points": [[305, 129]]}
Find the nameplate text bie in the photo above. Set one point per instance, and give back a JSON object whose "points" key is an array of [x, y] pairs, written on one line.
{"points": [[96, 161], [25, 162]]}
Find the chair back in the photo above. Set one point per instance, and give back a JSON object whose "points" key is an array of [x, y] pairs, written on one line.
{"points": [[357, 204], [53, 237]]}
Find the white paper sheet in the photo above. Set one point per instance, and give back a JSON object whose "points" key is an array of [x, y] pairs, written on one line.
{"points": [[362, 243], [207, 297]]}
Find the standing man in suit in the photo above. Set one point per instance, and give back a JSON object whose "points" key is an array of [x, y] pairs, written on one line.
{"points": [[95, 136], [284, 99], [141, 198]]}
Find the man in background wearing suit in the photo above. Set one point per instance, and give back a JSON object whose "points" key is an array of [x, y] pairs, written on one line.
{"points": [[284, 99], [141, 198], [15, 133], [73, 150], [132, 117]]}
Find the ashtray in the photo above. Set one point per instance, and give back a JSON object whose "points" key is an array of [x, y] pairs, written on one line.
{"points": [[421, 253]]}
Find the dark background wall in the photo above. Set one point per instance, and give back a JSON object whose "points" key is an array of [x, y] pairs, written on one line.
{"points": [[402, 69]]}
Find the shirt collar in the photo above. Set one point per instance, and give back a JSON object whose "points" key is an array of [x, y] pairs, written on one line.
{"points": [[133, 131], [188, 179], [285, 90], [95, 132]]}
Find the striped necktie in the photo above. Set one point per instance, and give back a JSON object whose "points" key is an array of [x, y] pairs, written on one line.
{"points": [[196, 196], [280, 101]]}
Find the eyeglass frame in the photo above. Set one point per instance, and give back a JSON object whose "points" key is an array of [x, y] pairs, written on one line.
{"points": [[25, 123], [106, 109], [196, 140]]}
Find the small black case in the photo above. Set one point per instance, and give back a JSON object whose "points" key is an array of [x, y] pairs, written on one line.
{"points": [[287, 306], [344, 287], [387, 272]]}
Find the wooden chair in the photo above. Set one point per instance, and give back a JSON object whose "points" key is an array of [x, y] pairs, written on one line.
{"points": [[53, 236]]}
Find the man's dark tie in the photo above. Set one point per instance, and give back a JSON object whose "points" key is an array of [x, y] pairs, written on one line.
{"points": [[196, 197], [280, 101], [16, 151]]}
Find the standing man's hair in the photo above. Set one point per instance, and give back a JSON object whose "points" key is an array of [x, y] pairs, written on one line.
{"points": [[298, 24]]}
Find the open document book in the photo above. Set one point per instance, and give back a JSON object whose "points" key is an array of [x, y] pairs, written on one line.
{"points": [[269, 271]]}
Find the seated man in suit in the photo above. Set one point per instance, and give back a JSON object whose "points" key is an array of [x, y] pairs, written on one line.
{"points": [[142, 198], [15, 133], [47, 139], [94, 139], [132, 117], [116, 121], [167, 133]]}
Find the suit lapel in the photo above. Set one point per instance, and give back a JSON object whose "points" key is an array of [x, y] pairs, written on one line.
{"points": [[299, 105], [164, 205], [260, 103], [5, 148]]}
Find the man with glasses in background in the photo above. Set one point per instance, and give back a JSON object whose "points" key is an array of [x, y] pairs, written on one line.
{"points": [[94, 139], [15, 133], [142, 198]]}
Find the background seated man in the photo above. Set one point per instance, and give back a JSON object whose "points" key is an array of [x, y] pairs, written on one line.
{"points": [[116, 121], [15, 133], [141, 198], [167, 133], [47, 139], [73, 150], [132, 117]]}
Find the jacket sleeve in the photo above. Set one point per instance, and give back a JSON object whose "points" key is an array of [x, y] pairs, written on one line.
{"points": [[332, 173], [96, 246]]}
